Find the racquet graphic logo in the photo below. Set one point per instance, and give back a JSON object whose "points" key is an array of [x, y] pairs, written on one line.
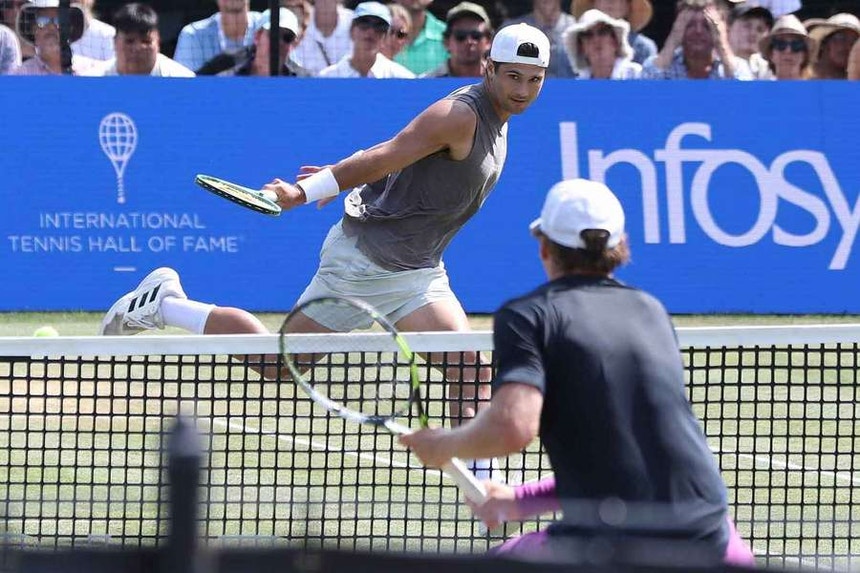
{"points": [[118, 138]]}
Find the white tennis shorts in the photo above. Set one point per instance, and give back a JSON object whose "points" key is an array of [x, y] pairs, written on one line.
{"points": [[345, 271]]}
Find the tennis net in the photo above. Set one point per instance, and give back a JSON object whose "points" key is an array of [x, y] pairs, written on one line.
{"points": [[82, 419]]}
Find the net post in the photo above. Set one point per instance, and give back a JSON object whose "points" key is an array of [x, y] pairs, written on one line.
{"points": [[184, 458]]}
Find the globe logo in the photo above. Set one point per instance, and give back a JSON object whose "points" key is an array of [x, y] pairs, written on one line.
{"points": [[118, 139]]}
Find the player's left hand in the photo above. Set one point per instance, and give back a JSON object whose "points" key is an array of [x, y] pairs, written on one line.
{"points": [[430, 445]]}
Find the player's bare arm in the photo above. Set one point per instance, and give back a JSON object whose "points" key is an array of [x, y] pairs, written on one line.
{"points": [[508, 425], [445, 125]]}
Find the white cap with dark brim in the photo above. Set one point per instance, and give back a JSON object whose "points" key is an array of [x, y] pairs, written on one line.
{"points": [[520, 44], [576, 205]]}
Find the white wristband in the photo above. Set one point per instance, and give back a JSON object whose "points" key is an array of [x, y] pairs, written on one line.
{"points": [[320, 185]]}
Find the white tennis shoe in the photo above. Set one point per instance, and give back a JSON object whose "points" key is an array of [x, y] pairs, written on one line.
{"points": [[140, 309]]}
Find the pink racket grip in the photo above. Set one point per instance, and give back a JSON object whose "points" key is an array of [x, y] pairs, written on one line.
{"points": [[466, 480]]}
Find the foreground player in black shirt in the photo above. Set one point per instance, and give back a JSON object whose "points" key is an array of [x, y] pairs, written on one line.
{"points": [[592, 366]]}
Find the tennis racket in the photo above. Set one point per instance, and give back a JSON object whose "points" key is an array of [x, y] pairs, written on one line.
{"points": [[373, 387], [257, 200]]}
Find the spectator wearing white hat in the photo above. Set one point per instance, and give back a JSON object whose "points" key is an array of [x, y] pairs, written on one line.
{"points": [[592, 367], [254, 60], [138, 47], [97, 41], [39, 25], [548, 17], [637, 13], [835, 36], [598, 48], [370, 24], [10, 50], [788, 49]]}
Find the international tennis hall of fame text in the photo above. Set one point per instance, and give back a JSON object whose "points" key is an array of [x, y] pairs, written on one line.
{"points": [[127, 233]]}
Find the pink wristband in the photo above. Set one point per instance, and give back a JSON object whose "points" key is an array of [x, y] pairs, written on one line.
{"points": [[536, 497]]}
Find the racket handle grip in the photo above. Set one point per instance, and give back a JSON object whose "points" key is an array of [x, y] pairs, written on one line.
{"points": [[270, 195], [466, 480]]}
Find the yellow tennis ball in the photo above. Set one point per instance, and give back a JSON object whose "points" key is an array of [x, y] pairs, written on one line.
{"points": [[46, 331]]}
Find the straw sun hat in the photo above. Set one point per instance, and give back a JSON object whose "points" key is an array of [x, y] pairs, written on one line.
{"points": [[640, 12], [835, 23], [587, 21], [788, 24]]}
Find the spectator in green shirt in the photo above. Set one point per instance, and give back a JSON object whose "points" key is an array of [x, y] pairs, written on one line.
{"points": [[425, 49]]}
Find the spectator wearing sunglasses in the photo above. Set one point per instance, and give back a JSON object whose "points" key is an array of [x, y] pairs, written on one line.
{"points": [[254, 59], [598, 48], [370, 24], [467, 37], [835, 36], [138, 47], [398, 34], [788, 49], [10, 52], [548, 17], [748, 24], [39, 26]]}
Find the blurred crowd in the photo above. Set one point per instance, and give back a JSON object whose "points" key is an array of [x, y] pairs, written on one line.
{"points": [[592, 39]]}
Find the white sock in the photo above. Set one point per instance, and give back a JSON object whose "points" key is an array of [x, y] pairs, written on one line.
{"points": [[187, 314]]}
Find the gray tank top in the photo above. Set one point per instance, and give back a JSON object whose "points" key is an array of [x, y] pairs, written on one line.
{"points": [[406, 220]]}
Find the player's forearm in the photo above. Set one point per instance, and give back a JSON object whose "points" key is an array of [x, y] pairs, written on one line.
{"points": [[492, 433], [366, 166]]}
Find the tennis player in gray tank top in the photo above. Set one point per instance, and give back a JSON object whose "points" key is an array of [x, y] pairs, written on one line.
{"points": [[415, 191], [406, 220]]}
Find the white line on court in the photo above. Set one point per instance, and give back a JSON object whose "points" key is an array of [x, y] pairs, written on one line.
{"points": [[770, 461], [312, 444]]}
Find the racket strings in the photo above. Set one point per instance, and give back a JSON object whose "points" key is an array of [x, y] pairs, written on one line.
{"points": [[376, 385]]}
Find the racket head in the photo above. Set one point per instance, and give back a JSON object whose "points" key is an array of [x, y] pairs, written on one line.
{"points": [[253, 199], [368, 375]]}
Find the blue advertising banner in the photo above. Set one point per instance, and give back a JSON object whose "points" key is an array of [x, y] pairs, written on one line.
{"points": [[740, 196]]}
